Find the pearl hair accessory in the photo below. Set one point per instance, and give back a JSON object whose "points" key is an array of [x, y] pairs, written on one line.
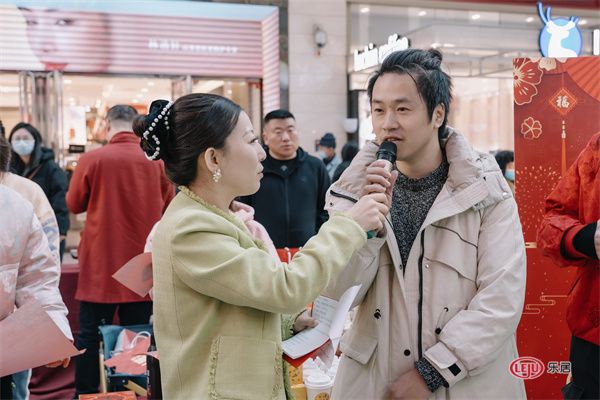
{"points": [[163, 115]]}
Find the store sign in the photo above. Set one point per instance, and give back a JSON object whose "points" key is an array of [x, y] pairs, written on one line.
{"points": [[560, 37], [42, 38], [175, 45], [373, 55]]}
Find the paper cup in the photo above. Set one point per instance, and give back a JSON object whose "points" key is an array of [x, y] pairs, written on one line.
{"points": [[318, 387]]}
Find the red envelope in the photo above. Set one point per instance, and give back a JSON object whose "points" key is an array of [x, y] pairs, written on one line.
{"points": [[128, 395], [136, 274], [297, 362]]}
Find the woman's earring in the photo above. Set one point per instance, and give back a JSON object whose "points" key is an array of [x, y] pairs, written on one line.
{"points": [[216, 175]]}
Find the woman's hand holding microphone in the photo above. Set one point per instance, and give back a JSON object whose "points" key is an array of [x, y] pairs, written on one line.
{"points": [[376, 199]]}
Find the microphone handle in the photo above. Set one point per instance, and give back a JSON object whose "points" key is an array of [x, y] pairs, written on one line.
{"points": [[388, 167]]}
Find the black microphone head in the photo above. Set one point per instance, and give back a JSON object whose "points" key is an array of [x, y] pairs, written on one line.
{"points": [[387, 151]]}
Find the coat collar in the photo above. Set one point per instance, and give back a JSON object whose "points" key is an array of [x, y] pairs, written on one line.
{"points": [[124, 137], [273, 166], [229, 216], [467, 186]]}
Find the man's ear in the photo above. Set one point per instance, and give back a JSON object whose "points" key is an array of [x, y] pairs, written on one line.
{"points": [[264, 137], [439, 113]]}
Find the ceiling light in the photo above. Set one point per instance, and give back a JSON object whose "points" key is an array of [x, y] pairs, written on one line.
{"points": [[422, 13], [435, 45], [144, 90], [364, 10], [67, 81], [150, 83], [529, 19], [139, 95], [583, 22], [135, 101], [9, 89], [71, 98], [475, 16], [449, 45]]}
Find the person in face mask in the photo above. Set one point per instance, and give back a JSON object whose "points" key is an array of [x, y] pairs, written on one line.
{"points": [[33, 161], [506, 161], [327, 153]]}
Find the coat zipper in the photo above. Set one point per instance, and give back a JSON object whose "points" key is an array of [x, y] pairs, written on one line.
{"points": [[420, 306], [287, 214], [343, 196]]}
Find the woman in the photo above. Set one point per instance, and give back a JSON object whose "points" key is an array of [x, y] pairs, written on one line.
{"points": [[28, 266], [33, 161], [218, 293]]}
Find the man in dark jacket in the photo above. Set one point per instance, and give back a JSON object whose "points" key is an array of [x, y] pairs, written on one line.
{"points": [[33, 161], [291, 197]]}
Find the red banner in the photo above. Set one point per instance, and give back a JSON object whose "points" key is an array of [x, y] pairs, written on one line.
{"points": [[557, 109]]}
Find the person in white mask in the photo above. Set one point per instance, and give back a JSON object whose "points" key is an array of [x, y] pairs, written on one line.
{"points": [[506, 162], [33, 161]]}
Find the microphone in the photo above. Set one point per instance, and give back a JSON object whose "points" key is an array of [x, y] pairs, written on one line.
{"points": [[386, 152]]}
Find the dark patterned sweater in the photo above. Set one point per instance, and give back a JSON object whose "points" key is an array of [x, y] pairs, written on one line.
{"points": [[411, 201]]}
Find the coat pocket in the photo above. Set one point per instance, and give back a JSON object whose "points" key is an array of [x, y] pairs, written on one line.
{"points": [[359, 347], [451, 250], [245, 368]]}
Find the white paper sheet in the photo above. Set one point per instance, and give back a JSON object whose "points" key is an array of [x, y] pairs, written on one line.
{"points": [[331, 315]]}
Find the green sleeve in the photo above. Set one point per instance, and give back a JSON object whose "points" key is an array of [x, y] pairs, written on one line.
{"points": [[208, 257]]}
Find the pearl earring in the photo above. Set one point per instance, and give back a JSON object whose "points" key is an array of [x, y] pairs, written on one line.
{"points": [[216, 175]]}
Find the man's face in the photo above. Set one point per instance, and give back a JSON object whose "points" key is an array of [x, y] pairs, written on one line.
{"points": [[281, 136], [400, 115]]}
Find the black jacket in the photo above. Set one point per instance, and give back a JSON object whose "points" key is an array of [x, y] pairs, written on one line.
{"points": [[43, 170], [290, 202]]}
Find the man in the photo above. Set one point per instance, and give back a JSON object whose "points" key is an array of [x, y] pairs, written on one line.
{"points": [[290, 201], [443, 288], [124, 194], [570, 235], [327, 154]]}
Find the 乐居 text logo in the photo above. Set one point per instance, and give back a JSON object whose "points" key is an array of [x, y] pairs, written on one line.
{"points": [[527, 368], [560, 37]]}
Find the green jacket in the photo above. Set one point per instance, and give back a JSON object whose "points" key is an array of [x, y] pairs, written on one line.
{"points": [[219, 296]]}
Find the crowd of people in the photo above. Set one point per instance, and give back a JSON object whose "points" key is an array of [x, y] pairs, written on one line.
{"points": [[249, 228]]}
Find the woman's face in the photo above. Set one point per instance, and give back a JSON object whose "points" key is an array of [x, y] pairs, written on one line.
{"points": [[22, 142], [64, 39], [241, 166]]}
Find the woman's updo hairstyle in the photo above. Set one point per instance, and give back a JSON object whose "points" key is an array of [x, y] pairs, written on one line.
{"points": [[179, 132]]}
